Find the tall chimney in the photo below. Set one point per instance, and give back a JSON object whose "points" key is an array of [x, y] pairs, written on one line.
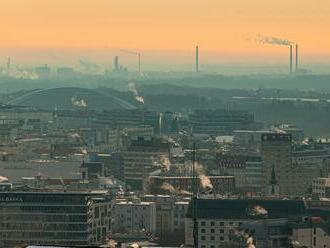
{"points": [[197, 59], [291, 59], [297, 58]]}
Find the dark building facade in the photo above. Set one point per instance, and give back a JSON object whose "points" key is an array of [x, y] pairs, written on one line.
{"points": [[53, 218]]}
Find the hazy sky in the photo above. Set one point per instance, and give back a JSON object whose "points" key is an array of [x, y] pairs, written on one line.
{"points": [[223, 28]]}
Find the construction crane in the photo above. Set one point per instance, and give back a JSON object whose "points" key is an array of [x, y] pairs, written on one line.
{"points": [[137, 54]]}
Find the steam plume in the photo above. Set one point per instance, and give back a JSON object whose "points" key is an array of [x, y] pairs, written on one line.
{"points": [[205, 181], [168, 187], [3, 179], [132, 88], [274, 41], [78, 102], [165, 162], [172, 190]]}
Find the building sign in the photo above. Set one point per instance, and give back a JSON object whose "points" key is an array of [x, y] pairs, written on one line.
{"points": [[10, 199]]}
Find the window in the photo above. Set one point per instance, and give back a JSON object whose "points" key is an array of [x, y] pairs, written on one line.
{"points": [[212, 230], [203, 223], [212, 223], [222, 224], [202, 230], [222, 231], [222, 238], [203, 238], [212, 238]]}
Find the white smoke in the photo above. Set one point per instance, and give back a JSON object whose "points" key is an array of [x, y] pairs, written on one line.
{"points": [[205, 181], [78, 102], [168, 187], [172, 190], [165, 162], [273, 41], [132, 88], [3, 179], [249, 243]]}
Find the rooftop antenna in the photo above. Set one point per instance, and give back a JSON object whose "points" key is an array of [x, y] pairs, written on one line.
{"points": [[194, 196]]}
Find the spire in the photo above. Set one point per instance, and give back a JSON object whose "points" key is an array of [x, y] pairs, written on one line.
{"points": [[273, 180], [273, 183]]}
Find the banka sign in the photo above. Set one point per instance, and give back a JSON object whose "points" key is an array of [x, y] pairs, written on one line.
{"points": [[10, 199]]}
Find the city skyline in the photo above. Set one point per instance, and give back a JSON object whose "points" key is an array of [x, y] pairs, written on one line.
{"points": [[226, 32]]}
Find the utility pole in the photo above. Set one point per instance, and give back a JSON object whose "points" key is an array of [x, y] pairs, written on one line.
{"points": [[194, 184]]}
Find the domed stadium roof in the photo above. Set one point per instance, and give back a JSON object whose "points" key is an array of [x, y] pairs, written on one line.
{"points": [[72, 98]]}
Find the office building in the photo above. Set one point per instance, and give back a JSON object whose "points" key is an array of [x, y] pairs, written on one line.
{"points": [[140, 158], [134, 217], [221, 122], [219, 220], [53, 218], [181, 185], [276, 152]]}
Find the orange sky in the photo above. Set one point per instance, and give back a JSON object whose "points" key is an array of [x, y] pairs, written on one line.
{"points": [[219, 26]]}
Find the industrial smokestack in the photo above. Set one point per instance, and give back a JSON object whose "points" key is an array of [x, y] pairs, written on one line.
{"points": [[291, 59], [297, 58], [8, 66], [115, 63], [197, 60]]}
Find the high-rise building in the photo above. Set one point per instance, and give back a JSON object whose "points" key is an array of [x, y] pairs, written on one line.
{"points": [[140, 158], [276, 152]]}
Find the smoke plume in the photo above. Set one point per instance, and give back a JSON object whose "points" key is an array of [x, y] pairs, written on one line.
{"points": [[88, 66], [3, 179], [78, 102], [165, 162], [205, 181], [168, 187], [274, 41], [132, 88], [172, 190]]}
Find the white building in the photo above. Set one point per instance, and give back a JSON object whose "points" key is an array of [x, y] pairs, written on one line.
{"points": [[319, 187], [312, 235], [134, 217]]}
